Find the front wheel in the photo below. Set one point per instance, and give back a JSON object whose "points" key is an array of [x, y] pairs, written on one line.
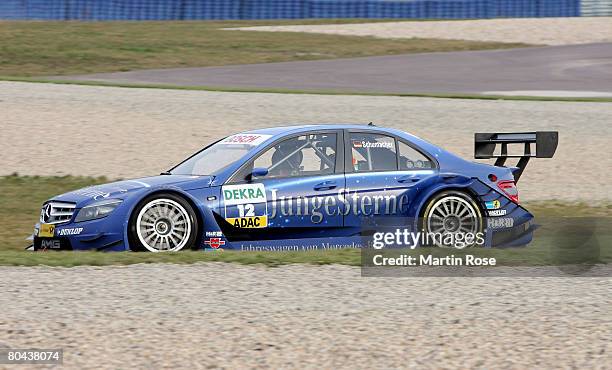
{"points": [[163, 223], [453, 219]]}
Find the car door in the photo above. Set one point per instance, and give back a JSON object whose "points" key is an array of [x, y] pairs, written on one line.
{"points": [[383, 174], [299, 194]]}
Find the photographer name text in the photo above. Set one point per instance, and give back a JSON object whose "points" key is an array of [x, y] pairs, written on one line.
{"points": [[429, 260]]}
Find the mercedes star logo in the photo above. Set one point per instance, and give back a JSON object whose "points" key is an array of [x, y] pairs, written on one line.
{"points": [[45, 213]]}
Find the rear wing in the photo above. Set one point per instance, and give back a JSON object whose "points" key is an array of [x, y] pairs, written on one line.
{"points": [[485, 147]]}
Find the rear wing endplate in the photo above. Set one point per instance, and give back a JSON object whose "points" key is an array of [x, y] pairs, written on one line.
{"points": [[486, 144]]}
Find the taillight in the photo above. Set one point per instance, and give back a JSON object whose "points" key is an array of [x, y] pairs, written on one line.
{"points": [[509, 188]]}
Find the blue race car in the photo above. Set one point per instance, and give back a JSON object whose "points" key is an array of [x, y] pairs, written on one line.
{"points": [[301, 187]]}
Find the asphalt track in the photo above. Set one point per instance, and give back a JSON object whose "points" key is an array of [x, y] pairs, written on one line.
{"points": [[574, 70]]}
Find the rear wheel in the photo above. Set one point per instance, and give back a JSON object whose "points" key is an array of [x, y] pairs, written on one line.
{"points": [[454, 218], [163, 223]]}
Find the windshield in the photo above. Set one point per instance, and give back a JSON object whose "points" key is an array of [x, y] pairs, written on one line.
{"points": [[220, 155]]}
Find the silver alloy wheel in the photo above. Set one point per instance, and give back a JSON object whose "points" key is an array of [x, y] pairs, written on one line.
{"points": [[163, 225], [453, 215]]}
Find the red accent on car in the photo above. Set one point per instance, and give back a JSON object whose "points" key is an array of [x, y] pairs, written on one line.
{"points": [[492, 177], [509, 188], [215, 243]]}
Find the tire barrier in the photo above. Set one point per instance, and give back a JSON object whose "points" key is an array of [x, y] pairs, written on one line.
{"points": [[101, 10]]}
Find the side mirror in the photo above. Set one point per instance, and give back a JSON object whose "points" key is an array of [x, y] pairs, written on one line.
{"points": [[258, 172]]}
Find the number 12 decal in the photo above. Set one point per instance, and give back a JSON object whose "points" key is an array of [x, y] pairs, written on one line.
{"points": [[246, 210]]}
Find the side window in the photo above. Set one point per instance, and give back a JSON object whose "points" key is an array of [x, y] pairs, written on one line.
{"points": [[306, 155], [412, 159], [373, 152]]}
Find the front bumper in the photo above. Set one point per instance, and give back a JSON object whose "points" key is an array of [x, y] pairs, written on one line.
{"points": [[101, 235]]}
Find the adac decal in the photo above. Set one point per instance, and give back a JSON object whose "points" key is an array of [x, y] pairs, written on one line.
{"points": [[246, 205], [493, 204], [215, 243], [254, 222]]}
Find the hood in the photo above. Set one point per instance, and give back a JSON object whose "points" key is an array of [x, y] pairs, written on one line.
{"points": [[125, 188]]}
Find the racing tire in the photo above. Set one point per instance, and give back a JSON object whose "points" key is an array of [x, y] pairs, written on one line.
{"points": [[453, 212], [163, 222]]}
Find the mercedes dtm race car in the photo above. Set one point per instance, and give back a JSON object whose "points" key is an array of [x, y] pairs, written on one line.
{"points": [[301, 187]]}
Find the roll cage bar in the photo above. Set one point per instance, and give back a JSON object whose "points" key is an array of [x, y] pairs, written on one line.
{"points": [[308, 143]]}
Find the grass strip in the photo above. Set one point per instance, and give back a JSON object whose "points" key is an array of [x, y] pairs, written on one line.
{"points": [[35, 48], [298, 91]]}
